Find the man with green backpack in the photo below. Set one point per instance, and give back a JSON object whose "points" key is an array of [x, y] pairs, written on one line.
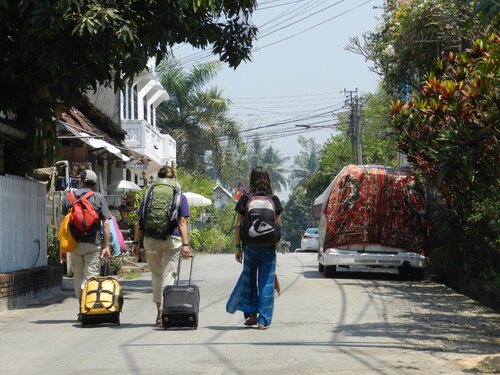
{"points": [[163, 220]]}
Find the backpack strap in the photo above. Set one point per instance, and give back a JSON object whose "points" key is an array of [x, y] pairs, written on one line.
{"points": [[147, 201], [88, 194], [71, 198]]}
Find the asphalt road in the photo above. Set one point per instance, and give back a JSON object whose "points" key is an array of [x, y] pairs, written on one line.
{"points": [[357, 323]]}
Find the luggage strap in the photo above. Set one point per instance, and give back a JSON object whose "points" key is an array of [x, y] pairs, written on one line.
{"points": [[179, 269]]}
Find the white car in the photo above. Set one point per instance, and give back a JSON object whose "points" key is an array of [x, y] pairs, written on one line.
{"points": [[309, 241], [409, 264]]}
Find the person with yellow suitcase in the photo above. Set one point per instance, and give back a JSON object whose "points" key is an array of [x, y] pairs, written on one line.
{"points": [[102, 300]]}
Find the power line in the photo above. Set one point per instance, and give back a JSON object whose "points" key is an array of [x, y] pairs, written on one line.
{"points": [[296, 119], [199, 57], [313, 27], [301, 19], [292, 96]]}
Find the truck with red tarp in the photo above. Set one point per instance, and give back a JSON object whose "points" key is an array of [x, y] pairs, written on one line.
{"points": [[373, 216]]}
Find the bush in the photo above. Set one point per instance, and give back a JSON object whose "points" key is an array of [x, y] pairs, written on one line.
{"points": [[52, 245], [211, 240]]}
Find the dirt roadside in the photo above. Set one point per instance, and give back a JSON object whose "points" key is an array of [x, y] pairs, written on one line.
{"points": [[449, 322]]}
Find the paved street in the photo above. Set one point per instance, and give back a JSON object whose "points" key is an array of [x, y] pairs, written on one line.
{"points": [[354, 324]]}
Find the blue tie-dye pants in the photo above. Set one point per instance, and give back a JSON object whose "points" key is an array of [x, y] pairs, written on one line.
{"points": [[254, 291]]}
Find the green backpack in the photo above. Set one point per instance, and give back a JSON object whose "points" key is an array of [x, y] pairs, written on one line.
{"points": [[160, 209]]}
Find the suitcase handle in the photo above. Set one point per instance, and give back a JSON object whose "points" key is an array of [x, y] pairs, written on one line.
{"points": [[106, 267], [179, 269]]}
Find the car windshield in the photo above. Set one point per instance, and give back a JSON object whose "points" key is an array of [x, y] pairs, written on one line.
{"points": [[312, 231]]}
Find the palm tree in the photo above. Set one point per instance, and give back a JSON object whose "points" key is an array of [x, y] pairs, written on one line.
{"points": [[274, 162], [197, 118], [307, 162]]}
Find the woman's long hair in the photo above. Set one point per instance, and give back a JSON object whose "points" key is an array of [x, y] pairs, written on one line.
{"points": [[260, 181], [166, 172]]}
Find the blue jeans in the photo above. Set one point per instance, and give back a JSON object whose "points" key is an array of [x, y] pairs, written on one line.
{"points": [[254, 291]]}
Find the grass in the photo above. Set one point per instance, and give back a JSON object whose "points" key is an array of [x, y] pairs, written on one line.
{"points": [[132, 275]]}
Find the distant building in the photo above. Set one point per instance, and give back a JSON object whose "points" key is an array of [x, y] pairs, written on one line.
{"points": [[221, 197]]}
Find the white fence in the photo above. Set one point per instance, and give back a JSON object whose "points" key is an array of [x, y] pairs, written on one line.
{"points": [[23, 231]]}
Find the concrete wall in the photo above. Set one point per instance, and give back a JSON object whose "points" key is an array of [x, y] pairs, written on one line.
{"points": [[27, 287]]}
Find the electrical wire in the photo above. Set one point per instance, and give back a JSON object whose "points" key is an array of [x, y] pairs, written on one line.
{"points": [[312, 27]]}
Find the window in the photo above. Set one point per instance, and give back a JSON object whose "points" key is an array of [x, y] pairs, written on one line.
{"points": [[134, 101], [129, 103]]}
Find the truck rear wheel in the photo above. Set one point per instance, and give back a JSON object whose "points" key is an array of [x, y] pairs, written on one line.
{"points": [[330, 271]]}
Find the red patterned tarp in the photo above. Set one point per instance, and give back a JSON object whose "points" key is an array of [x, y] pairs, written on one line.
{"points": [[376, 205]]}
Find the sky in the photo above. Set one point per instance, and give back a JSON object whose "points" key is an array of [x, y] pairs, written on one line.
{"points": [[298, 71]]}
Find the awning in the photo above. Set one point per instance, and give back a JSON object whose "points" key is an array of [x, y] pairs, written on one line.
{"points": [[94, 142]]}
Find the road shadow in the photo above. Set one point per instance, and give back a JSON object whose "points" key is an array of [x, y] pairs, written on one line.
{"points": [[227, 328], [371, 274], [55, 321], [422, 315]]}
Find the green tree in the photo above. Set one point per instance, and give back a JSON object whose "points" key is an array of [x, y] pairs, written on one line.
{"points": [[257, 153], [307, 162], [412, 35], [54, 51], [378, 140], [488, 12], [377, 136], [197, 117], [217, 235], [198, 183], [450, 132], [297, 216], [273, 161]]}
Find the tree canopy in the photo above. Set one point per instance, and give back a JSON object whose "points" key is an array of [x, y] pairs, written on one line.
{"points": [[54, 51], [307, 162], [412, 35], [379, 144], [450, 132], [197, 118]]}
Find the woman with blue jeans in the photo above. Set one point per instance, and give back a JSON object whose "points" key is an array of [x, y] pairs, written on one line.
{"points": [[254, 291]]}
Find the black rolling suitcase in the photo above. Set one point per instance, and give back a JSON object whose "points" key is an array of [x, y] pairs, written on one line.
{"points": [[181, 303]]}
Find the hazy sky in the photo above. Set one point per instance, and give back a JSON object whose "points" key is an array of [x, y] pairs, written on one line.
{"points": [[299, 69]]}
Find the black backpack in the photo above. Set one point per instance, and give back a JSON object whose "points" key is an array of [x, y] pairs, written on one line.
{"points": [[260, 227]]}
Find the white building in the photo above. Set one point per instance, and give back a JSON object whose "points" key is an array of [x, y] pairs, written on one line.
{"points": [[221, 197], [134, 108]]}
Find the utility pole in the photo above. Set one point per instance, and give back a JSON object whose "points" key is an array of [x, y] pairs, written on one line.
{"points": [[352, 102]]}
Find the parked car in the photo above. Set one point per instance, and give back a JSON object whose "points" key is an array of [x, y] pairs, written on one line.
{"points": [[309, 241], [372, 216]]}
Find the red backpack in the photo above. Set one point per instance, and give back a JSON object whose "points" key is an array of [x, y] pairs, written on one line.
{"points": [[84, 219]]}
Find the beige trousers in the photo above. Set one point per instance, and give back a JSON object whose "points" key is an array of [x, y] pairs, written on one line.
{"points": [[84, 264], [163, 258]]}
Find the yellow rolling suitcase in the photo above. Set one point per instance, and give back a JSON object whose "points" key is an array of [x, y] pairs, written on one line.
{"points": [[102, 301]]}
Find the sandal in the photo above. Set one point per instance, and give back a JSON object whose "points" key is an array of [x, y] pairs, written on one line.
{"points": [[262, 327], [251, 321], [158, 320]]}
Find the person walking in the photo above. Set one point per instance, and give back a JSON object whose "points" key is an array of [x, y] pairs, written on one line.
{"points": [[90, 248], [163, 220], [257, 220]]}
